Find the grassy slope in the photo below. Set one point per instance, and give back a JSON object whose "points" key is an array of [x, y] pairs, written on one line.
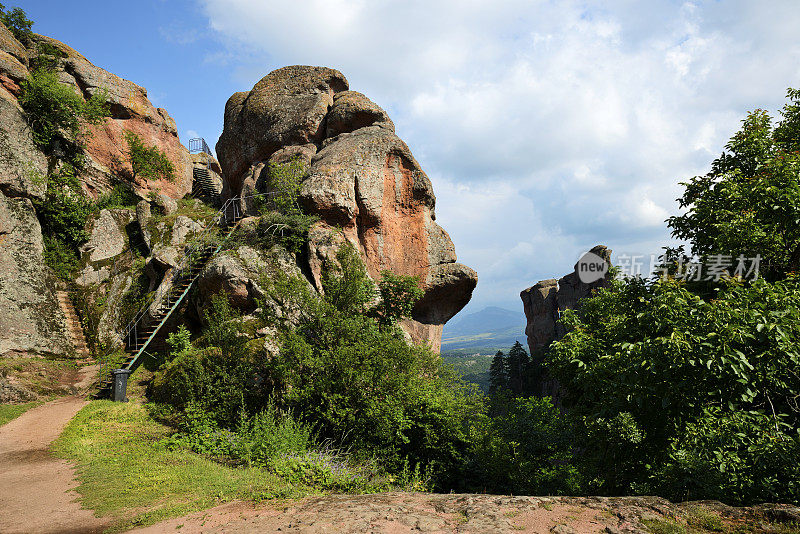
{"points": [[12, 411], [126, 473]]}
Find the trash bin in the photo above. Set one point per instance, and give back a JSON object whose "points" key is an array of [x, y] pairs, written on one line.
{"points": [[120, 385]]}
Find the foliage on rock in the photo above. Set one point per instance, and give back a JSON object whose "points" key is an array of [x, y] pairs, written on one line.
{"points": [[55, 111], [148, 162]]}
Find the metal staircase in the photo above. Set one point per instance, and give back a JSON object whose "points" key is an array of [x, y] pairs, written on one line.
{"points": [[203, 186], [140, 332]]}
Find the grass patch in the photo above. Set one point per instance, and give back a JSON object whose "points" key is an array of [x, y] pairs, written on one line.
{"points": [[45, 377], [9, 412], [703, 519], [660, 526], [128, 473]]}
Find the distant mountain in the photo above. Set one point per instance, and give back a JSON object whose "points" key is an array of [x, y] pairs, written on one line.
{"points": [[490, 328]]}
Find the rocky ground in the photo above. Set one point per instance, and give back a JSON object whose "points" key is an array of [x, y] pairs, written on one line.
{"points": [[436, 513]]}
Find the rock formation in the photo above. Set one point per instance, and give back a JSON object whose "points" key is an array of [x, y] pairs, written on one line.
{"points": [[544, 302], [130, 111], [31, 321], [361, 178]]}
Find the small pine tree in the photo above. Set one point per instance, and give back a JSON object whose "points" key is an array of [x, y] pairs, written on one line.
{"points": [[518, 364], [498, 373]]}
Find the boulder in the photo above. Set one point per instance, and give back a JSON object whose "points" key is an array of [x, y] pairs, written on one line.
{"points": [[361, 178], [286, 107], [107, 235], [183, 228], [12, 47], [351, 110], [31, 320], [239, 273], [167, 205]]}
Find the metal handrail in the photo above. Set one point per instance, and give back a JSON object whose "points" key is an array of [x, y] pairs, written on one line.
{"points": [[229, 212], [198, 144]]}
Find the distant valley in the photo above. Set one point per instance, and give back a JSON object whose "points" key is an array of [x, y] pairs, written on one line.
{"points": [[469, 343]]}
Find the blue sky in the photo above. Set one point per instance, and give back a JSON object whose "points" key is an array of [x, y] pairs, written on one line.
{"points": [[546, 127]]}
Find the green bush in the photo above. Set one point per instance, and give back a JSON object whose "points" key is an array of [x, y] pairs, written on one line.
{"points": [[287, 229], [148, 162], [526, 450], [121, 196], [54, 110], [704, 388], [360, 385], [219, 373], [63, 214]]}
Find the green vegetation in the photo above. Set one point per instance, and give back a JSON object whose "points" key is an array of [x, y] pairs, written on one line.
{"points": [[55, 112], [128, 470], [750, 201], [9, 412], [18, 22], [688, 398], [344, 370], [148, 162], [283, 221]]}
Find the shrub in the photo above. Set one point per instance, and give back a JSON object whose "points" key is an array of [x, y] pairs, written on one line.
{"points": [[63, 214], [288, 229], [54, 110], [665, 378], [121, 196], [284, 179], [148, 162], [365, 387], [219, 374], [526, 450]]}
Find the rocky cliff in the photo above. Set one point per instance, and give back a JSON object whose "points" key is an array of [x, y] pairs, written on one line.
{"points": [[544, 302], [361, 177], [31, 321]]}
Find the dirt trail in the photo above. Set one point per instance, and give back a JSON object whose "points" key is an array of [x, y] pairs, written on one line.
{"points": [[35, 488]]}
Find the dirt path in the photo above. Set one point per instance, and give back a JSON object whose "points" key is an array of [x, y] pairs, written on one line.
{"points": [[35, 488]]}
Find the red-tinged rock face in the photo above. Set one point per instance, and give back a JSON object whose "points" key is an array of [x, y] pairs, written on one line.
{"points": [[130, 111], [107, 146], [362, 179]]}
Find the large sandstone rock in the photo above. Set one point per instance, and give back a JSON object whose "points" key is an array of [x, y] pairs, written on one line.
{"points": [[544, 302], [131, 111], [361, 178], [286, 107], [239, 274], [31, 320]]}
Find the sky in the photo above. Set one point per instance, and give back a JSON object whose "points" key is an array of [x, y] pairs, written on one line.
{"points": [[546, 127]]}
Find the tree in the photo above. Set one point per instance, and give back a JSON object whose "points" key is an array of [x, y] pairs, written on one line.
{"points": [[749, 203], [18, 22], [498, 373], [518, 362], [683, 396]]}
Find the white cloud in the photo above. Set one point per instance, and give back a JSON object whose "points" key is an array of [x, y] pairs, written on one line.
{"points": [[545, 127]]}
